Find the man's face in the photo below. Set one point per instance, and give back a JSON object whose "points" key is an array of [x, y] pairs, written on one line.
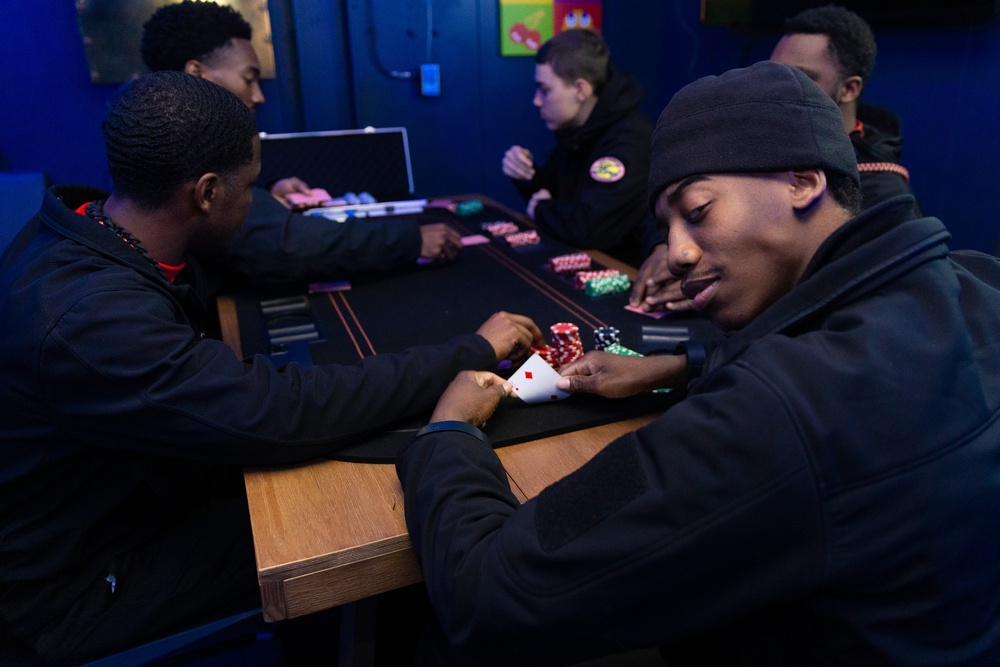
{"points": [[230, 210], [734, 241], [235, 67], [558, 102], [811, 54]]}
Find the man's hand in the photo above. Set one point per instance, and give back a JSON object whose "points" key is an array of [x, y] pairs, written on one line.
{"points": [[512, 336], [620, 376], [518, 164], [286, 186], [541, 195], [439, 242], [655, 287], [472, 397]]}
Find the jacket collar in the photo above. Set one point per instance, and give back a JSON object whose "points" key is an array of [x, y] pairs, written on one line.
{"points": [[59, 213], [870, 250]]}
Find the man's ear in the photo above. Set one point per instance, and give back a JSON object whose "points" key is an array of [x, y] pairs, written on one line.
{"points": [[849, 90], [808, 187], [582, 89], [208, 192], [194, 68]]}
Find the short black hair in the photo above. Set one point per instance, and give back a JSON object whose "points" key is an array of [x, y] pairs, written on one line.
{"points": [[577, 54], [175, 34], [166, 129], [845, 191], [851, 40]]}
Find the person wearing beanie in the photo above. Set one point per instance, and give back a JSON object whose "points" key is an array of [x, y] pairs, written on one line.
{"points": [[277, 244], [124, 426], [827, 489], [835, 48], [590, 191]]}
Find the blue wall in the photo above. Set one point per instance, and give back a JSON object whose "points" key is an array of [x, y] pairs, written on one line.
{"points": [[333, 58]]}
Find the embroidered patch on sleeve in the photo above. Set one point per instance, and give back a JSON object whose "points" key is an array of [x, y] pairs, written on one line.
{"points": [[607, 170]]}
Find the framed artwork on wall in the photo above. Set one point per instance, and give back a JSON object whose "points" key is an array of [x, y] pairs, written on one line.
{"points": [[112, 32], [527, 24]]}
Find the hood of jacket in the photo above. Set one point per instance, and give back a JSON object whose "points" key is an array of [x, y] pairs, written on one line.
{"points": [[621, 96]]}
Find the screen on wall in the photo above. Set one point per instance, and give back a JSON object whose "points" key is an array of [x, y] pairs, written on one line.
{"points": [[768, 14]]}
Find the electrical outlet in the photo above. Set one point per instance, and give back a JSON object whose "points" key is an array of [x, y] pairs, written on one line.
{"points": [[430, 80]]}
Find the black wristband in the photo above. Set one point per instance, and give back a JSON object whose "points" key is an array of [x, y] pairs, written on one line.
{"points": [[464, 427], [696, 356]]}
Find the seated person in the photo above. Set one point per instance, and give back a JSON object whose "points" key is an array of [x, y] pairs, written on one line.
{"points": [[124, 429], [590, 193], [276, 244], [828, 490], [835, 48]]}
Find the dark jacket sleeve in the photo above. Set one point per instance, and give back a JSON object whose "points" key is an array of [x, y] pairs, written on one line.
{"points": [[276, 245], [669, 532], [599, 214], [209, 405]]}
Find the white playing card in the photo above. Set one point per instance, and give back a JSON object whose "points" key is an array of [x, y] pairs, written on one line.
{"points": [[535, 382]]}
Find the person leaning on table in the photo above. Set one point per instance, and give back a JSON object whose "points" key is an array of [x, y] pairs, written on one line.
{"points": [[123, 427], [828, 491]]}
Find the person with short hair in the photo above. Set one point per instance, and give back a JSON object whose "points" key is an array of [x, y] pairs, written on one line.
{"points": [[124, 427], [835, 48], [590, 193], [276, 244], [828, 489]]}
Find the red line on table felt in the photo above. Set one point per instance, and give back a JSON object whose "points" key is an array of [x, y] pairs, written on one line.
{"points": [[547, 290], [357, 322], [347, 327]]}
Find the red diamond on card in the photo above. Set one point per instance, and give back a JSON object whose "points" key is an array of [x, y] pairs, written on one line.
{"points": [[527, 375]]}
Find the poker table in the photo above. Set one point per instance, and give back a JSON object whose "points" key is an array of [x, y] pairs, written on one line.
{"points": [[331, 532], [430, 304]]}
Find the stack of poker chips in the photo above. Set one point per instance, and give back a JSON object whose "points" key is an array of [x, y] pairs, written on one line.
{"points": [[618, 348], [605, 336], [567, 343], [548, 355], [608, 285], [581, 277], [500, 228], [469, 207], [516, 239], [577, 261]]}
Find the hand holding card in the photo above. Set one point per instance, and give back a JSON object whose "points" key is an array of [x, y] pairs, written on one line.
{"points": [[535, 382]]}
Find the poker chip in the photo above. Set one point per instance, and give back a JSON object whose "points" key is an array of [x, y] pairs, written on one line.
{"points": [[468, 207], [607, 285], [576, 261], [517, 239], [605, 337], [618, 348], [567, 343], [581, 277], [447, 204], [499, 228], [547, 353]]}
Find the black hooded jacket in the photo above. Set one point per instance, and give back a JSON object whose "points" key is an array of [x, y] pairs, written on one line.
{"points": [[602, 211]]}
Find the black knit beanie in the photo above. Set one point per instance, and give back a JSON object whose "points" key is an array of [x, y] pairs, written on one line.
{"points": [[763, 118]]}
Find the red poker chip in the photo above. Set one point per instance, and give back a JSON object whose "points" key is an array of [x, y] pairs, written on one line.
{"points": [[564, 328]]}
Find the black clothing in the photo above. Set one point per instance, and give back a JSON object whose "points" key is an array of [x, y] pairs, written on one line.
{"points": [[118, 416], [586, 212], [276, 245], [878, 154], [827, 493]]}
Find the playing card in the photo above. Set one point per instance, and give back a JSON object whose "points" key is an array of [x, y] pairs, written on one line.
{"points": [[656, 314], [474, 239], [316, 196], [535, 382]]}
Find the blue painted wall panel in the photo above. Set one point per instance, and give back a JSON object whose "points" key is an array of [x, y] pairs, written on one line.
{"points": [[944, 82]]}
